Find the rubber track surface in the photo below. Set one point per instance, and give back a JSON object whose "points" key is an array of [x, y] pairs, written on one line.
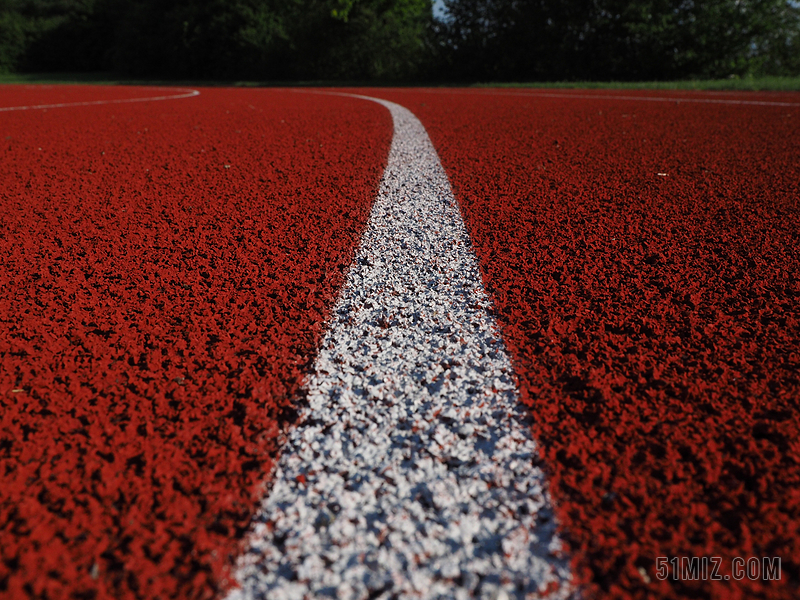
{"points": [[166, 270], [33, 95], [653, 319]]}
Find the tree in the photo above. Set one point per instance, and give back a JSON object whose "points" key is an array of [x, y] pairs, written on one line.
{"points": [[360, 39], [619, 39], [272, 39], [718, 38], [12, 35], [199, 38]]}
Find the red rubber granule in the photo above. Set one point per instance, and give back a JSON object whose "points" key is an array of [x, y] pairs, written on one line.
{"points": [[166, 271], [643, 261]]}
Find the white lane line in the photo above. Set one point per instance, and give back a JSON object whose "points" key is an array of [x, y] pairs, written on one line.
{"points": [[412, 473], [675, 100], [185, 94]]}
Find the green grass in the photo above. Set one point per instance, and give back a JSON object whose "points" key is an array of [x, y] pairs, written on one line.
{"points": [[96, 78], [784, 84]]}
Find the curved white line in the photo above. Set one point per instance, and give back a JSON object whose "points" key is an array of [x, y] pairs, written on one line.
{"points": [[614, 97], [186, 94], [412, 473]]}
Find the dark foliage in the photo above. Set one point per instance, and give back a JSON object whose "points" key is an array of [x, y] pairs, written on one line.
{"points": [[395, 40], [616, 39], [217, 39], [612, 39]]}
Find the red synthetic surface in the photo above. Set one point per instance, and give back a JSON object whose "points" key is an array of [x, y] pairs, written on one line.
{"points": [[653, 320], [166, 268], [33, 95]]}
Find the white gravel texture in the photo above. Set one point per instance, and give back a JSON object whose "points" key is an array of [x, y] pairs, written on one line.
{"points": [[412, 473]]}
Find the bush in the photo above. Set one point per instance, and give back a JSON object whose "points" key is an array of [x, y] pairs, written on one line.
{"points": [[12, 38]]}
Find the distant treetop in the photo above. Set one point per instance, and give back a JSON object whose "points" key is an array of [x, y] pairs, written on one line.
{"points": [[401, 40]]}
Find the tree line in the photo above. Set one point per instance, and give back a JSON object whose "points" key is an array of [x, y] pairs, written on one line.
{"points": [[402, 40]]}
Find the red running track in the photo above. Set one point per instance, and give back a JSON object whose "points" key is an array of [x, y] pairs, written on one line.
{"points": [[643, 259], [166, 270], [157, 260], [25, 97]]}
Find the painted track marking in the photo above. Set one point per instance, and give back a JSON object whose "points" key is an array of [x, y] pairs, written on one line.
{"points": [[186, 94], [412, 472], [675, 100]]}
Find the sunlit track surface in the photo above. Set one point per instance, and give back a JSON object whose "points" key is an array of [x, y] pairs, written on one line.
{"points": [[178, 94], [167, 268], [642, 259], [413, 474], [658, 96]]}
